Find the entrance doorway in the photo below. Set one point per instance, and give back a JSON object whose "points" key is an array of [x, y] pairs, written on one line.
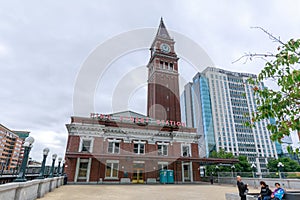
{"points": [[186, 171], [138, 173]]}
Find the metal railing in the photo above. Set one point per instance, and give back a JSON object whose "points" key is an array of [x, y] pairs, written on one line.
{"points": [[284, 175], [7, 176]]}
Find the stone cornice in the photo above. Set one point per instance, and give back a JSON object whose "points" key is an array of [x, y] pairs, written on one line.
{"points": [[128, 134]]}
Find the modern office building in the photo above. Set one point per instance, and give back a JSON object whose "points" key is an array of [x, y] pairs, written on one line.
{"points": [[222, 102], [22, 135], [129, 147], [11, 150], [282, 148]]}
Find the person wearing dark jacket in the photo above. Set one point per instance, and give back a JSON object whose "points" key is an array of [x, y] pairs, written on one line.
{"points": [[265, 192], [243, 188]]}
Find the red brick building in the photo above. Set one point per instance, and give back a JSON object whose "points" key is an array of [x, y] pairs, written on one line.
{"points": [[163, 86], [11, 149], [128, 147], [121, 146]]}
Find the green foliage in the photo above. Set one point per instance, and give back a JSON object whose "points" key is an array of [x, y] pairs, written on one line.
{"points": [[221, 154], [242, 166], [289, 165], [283, 105]]}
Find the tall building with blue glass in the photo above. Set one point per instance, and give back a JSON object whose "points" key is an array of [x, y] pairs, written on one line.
{"points": [[222, 102]]}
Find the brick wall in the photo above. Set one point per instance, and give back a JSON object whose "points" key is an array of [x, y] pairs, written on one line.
{"points": [[95, 170], [70, 168], [73, 143], [194, 150]]}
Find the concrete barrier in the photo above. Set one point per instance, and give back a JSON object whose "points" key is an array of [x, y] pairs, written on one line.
{"points": [[44, 187], [254, 182], [235, 196], [53, 184], [29, 190]]}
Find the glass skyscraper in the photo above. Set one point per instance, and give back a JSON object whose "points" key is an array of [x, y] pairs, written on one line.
{"points": [[222, 102]]}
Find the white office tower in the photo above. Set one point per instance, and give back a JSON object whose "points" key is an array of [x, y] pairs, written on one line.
{"points": [[222, 102]]}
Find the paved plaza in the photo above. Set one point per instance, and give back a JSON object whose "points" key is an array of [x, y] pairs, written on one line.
{"points": [[145, 192]]}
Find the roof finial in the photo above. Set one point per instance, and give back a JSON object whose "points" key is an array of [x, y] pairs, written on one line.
{"points": [[162, 31]]}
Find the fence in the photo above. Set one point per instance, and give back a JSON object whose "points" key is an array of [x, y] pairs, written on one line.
{"points": [[289, 180], [29, 190], [284, 175], [7, 176]]}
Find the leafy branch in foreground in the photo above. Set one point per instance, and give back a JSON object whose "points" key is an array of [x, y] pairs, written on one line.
{"points": [[282, 105]]}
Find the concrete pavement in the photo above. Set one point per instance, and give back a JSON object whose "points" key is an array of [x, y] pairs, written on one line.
{"points": [[144, 192]]}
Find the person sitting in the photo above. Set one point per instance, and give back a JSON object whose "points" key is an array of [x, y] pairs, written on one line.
{"points": [[278, 192], [265, 192]]}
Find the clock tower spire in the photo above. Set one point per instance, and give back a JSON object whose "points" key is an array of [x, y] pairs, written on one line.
{"points": [[163, 86]]}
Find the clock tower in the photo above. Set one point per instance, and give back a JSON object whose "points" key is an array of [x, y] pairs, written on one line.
{"points": [[163, 87]]}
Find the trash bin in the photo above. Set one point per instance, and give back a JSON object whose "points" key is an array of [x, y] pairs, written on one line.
{"points": [[65, 179], [163, 176], [170, 175]]}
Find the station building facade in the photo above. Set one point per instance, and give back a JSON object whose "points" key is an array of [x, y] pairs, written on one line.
{"points": [[101, 150], [129, 147]]}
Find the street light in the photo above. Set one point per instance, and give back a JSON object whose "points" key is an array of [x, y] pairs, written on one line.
{"points": [[253, 166], [58, 170], [232, 168], [217, 170], [280, 165], [45, 154], [27, 147], [232, 171], [52, 167]]}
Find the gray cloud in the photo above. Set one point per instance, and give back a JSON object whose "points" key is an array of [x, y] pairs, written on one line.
{"points": [[44, 43]]}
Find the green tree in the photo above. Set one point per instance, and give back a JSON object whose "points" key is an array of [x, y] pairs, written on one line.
{"points": [[242, 166], [283, 104], [221, 154], [289, 165]]}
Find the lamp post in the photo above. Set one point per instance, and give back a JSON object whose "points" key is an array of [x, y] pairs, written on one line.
{"points": [[217, 171], [280, 165], [58, 169], [232, 171], [253, 167], [27, 147], [52, 167], [45, 154]]}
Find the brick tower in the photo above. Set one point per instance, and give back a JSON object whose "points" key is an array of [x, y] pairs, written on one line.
{"points": [[163, 87]]}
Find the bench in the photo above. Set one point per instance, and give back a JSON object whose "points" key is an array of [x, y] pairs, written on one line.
{"points": [[293, 195], [254, 196]]}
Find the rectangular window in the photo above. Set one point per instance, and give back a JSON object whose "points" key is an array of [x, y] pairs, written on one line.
{"points": [[185, 151], [113, 147], [166, 65], [171, 66], [86, 145], [162, 165], [112, 169], [162, 149], [83, 169], [139, 148], [161, 64]]}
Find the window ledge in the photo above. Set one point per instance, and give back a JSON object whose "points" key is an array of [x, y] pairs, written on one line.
{"points": [[111, 178]]}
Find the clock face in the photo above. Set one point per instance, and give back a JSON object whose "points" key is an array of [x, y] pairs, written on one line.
{"points": [[165, 47]]}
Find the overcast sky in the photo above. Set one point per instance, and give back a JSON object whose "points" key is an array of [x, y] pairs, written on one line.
{"points": [[43, 45]]}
